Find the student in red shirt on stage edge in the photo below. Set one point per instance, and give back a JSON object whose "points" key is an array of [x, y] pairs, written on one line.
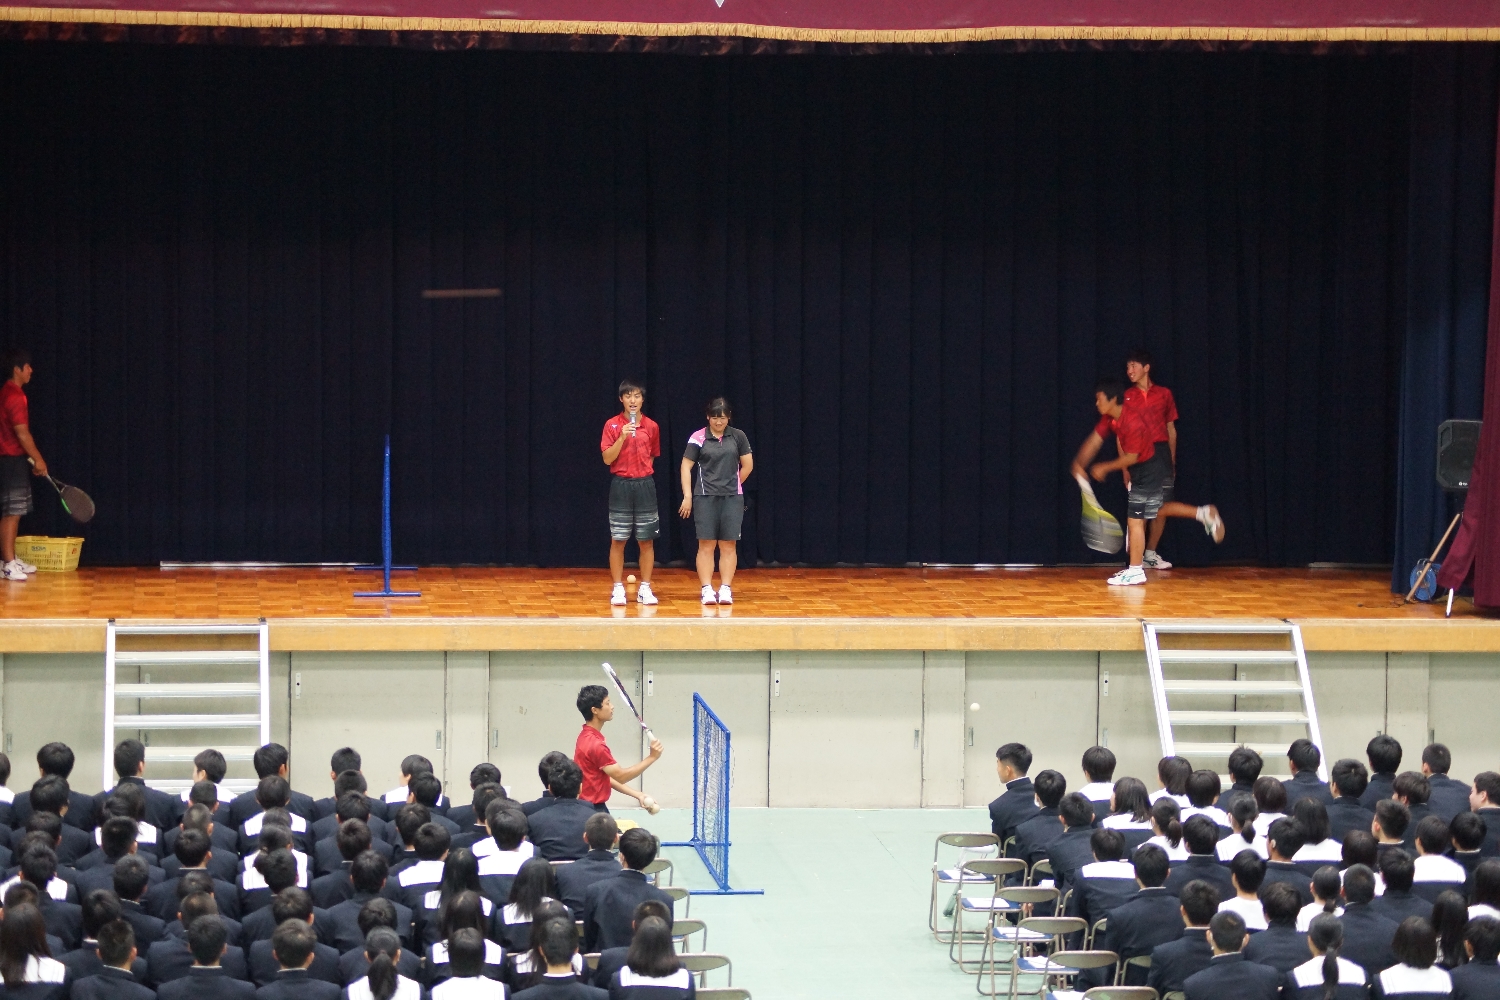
{"points": [[1148, 467], [600, 772], [630, 444], [1161, 410], [16, 446]]}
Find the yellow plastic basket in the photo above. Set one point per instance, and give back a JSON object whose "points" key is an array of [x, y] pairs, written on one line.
{"points": [[50, 555]]}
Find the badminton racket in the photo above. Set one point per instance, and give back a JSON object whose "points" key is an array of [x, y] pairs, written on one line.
{"points": [[76, 502], [1101, 532], [614, 679]]}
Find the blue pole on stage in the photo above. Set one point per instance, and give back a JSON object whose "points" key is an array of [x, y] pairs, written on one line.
{"points": [[385, 540]]}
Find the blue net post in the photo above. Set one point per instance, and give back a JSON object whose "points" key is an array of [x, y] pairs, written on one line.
{"points": [[385, 539], [711, 773]]}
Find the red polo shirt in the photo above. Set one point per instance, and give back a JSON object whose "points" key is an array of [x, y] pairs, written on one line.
{"points": [[1159, 406], [634, 460], [592, 755], [1131, 429], [13, 414]]}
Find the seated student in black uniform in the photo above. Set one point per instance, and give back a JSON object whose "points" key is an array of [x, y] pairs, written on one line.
{"points": [[557, 831], [1228, 973], [329, 857], [352, 803], [118, 839], [460, 875], [1166, 827], [1073, 849], [262, 923], [209, 767], [466, 964], [294, 944], [1398, 901], [1327, 975], [525, 969], [1479, 977], [544, 771], [1017, 803], [1349, 779], [1173, 962], [7, 797], [1247, 871], [465, 908], [99, 908], [129, 801], [1412, 790], [1304, 757], [1392, 820], [223, 836], [25, 964], [612, 960], [199, 881], [368, 873], [1034, 837], [1447, 797], [1099, 769], [1417, 976], [1484, 800], [411, 766], [1201, 835], [378, 912], [610, 903], [652, 970], [426, 789], [1359, 849], [55, 760], [1435, 871], [206, 978], [1468, 844], [274, 793], [1281, 945], [131, 882], [353, 839], [558, 943], [1367, 934], [1244, 767], [1283, 841], [114, 980], [344, 762], [172, 957], [479, 805], [1106, 882], [508, 850], [467, 816], [1130, 812], [1243, 812], [1149, 917], [1318, 846], [223, 861], [1203, 790], [51, 795], [292, 904], [403, 827], [383, 980], [271, 871], [39, 867], [162, 808], [271, 759], [573, 881], [534, 885], [1384, 754], [417, 879]]}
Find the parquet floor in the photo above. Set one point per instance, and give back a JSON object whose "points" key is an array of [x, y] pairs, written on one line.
{"points": [[151, 593]]}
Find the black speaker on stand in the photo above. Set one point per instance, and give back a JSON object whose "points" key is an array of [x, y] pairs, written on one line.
{"points": [[1457, 445]]}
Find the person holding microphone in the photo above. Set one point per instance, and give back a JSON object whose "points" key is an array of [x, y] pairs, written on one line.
{"points": [[721, 456], [630, 445]]}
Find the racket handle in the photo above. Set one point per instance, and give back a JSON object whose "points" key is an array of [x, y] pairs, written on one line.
{"points": [[1083, 484], [650, 736]]}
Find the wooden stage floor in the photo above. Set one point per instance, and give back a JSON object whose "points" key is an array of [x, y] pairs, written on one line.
{"points": [[489, 608]]}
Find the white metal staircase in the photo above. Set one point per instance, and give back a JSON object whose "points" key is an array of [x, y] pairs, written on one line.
{"points": [[1257, 669], [234, 682]]}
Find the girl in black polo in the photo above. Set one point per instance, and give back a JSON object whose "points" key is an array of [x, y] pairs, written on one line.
{"points": [[715, 497]]}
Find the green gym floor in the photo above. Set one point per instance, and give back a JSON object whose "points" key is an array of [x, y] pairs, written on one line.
{"points": [[845, 907]]}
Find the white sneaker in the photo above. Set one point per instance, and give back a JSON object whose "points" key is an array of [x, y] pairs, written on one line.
{"points": [[708, 595], [643, 593], [617, 596], [1153, 560], [26, 567], [1130, 576], [725, 597], [1213, 524], [13, 570]]}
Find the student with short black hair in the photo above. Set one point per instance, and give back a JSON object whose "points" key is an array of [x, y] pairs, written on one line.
{"points": [[1173, 962], [192, 851], [1281, 945], [1417, 976], [1035, 836], [1099, 768], [368, 875], [1367, 934], [1348, 780], [1484, 898], [1435, 872], [652, 971], [1228, 973], [351, 802], [1130, 812], [162, 809], [1200, 835], [1074, 848], [352, 837], [206, 979], [1283, 841], [56, 760], [602, 774], [1017, 803], [172, 957], [1484, 800], [294, 944], [270, 759], [1327, 975], [573, 881], [1398, 901], [294, 904], [117, 839], [464, 909], [431, 845], [1247, 871], [466, 960], [50, 796], [481, 774], [1106, 882], [114, 980], [404, 826], [609, 904], [1392, 819], [1303, 757], [1446, 796], [378, 912], [1151, 916], [1244, 767], [223, 859], [1384, 754], [1172, 774], [1412, 789], [479, 805], [1479, 977], [345, 770], [426, 789], [272, 871], [544, 771], [508, 827], [525, 969], [131, 879], [557, 941], [1318, 846], [557, 831], [97, 908]]}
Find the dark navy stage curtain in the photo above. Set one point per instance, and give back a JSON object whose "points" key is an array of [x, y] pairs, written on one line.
{"points": [[905, 273], [1454, 90]]}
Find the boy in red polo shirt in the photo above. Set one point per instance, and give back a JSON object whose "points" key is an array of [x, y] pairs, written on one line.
{"points": [[601, 774], [1149, 468], [16, 445], [631, 444], [1161, 413]]}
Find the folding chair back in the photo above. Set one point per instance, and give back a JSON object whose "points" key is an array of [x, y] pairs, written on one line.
{"points": [[1139, 961], [1110, 993], [1091, 959], [700, 963], [996, 868], [655, 868], [1056, 928], [683, 928], [1093, 934], [680, 895], [724, 994], [592, 959], [965, 841], [1042, 869], [1022, 895]]}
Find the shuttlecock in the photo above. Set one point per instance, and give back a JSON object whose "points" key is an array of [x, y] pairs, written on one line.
{"points": [[630, 578]]}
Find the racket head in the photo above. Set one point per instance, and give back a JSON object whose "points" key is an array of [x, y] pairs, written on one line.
{"points": [[614, 679], [78, 504], [1101, 532]]}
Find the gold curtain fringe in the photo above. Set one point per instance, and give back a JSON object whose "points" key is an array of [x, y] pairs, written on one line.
{"points": [[714, 29]]}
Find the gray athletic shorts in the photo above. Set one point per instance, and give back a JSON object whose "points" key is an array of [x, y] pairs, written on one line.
{"points": [[15, 486], [1150, 485], [718, 518], [632, 509]]}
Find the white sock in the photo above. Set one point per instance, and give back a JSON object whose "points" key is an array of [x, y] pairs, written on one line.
{"points": [[1202, 515]]}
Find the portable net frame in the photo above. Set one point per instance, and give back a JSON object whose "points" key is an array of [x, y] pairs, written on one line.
{"points": [[712, 765]]}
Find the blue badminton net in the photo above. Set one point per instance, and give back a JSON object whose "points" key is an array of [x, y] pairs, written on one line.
{"points": [[711, 790]]}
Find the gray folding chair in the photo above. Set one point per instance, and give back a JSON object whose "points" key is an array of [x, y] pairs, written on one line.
{"points": [[684, 928], [1060, 966], [1139, 961], [1039, 871], [1114, 993], [702, 963], [1093, 934], [1007, 901], [996, 870], [965, 843], [1175, 995], [680, 895], [1026, 938], [654, 869]]}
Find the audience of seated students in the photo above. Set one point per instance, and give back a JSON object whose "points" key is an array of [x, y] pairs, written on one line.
{"points": [[1171, 777], [1244, 768], [534, 885], [1104, 883], [161, 809], [1200, 835], [1270, 802], [272, 793], [1397, 901], [1099, 773], [1247, 871], [464, 909], [600, 833], [1367, 934], [525, 969], [557, 940], [1446, 796], [1203, 789], [1166, 827], [294, 946], [411, 766], [352, 803], [1416, 976], [557, 831], [468, 816], [223, 861], [55, 760], [99, 908], [1304, 757], [1348, 781], [1328, 975], [1384, 754], [460, 875], [1450, 916], [383, 981], [466, 979], [1328, 896], [368, 875], [611, 960], [1242, 815], [506, 850], [295, 904], [1228, 974], [114, 980], [609, 904], [26, 964], [1479, 977], [1073, 848], [1484, 800], [378, 912], [270, 760], [1173, 962], [51, 797], [1130, 812], [652, 970], [345, 762], [1412, 790], [172, 956], [544, 772], [1484, 898], [1035, 836], [1318, 846], [1017, 803], [206, 978], [1282, 945], [1151, 916]]}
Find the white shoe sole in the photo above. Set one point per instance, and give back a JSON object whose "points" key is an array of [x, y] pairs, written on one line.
{"points": [[645, 598], [617, 600], [1134, 582], [708, 599]]}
